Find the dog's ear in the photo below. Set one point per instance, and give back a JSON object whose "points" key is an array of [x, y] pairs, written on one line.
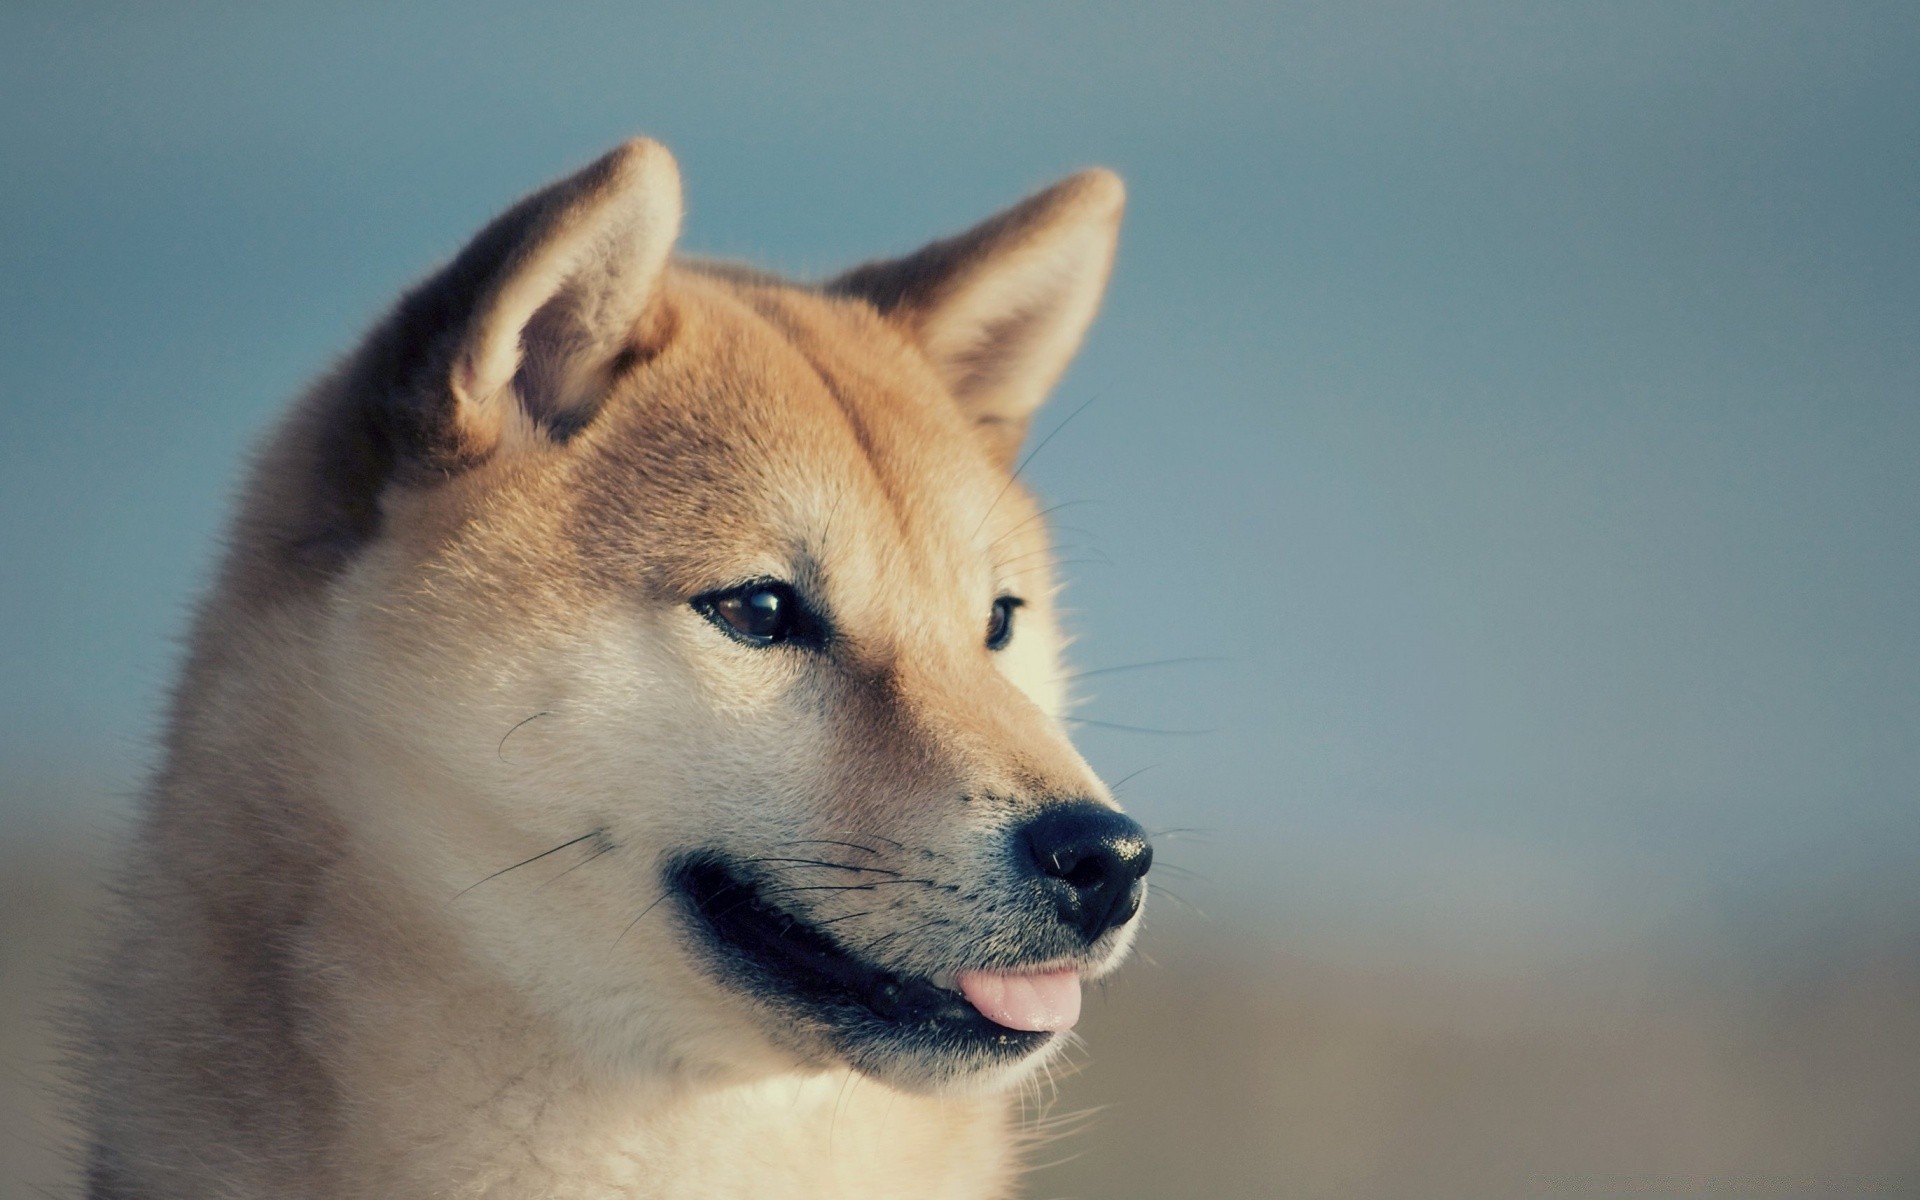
{"points": [[519, 338], [1001, 308]]}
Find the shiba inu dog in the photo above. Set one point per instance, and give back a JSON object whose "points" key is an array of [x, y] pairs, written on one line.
{"points": [[621, 755]]}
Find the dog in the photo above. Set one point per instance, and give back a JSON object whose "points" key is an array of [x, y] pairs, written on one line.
{"points": [[621, 753]]}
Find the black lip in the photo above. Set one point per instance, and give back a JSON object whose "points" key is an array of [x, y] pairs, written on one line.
{"points": [[780, 957]]}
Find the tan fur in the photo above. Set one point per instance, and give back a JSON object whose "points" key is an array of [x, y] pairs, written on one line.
{"points": [[453, 632]]}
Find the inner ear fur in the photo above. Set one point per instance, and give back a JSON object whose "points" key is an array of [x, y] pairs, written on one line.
{"points": [[519, 338], [1000, 309], [513, 344]]}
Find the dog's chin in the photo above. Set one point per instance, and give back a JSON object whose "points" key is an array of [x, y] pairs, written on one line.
{"points": [[825, 1004]]}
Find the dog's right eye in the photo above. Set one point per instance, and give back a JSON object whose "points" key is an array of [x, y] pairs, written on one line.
{"points": [[761, 613]]}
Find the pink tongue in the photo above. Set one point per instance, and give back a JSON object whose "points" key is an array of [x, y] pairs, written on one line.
{"points": [[1030, 1002]]}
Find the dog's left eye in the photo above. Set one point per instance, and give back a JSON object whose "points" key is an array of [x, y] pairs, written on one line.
{"points": [[1000, 622], [762, 613]]}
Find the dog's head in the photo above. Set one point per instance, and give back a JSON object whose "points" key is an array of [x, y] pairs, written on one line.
{"points": [[688, 639]]}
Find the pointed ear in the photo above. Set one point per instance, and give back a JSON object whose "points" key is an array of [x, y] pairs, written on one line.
{"points": [[1001, 308], [520, 337]]}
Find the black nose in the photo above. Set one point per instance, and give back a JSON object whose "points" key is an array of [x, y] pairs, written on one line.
{"points": [[1090, 858]]}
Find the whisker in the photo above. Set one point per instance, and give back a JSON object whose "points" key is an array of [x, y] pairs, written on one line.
{"points": [[847, 916], [1118, 783], [832, 842], [1176, 832], [846, 887], [846, 1089], [1162, 867], [826, 526], [523, 862], [1140, 666], [824, 887], [731, 908], [887, 937], [598, 851], [1182, 901], [1050, 1125], [1001, 564], [500, 751], [1092, 555], [1049, 509], [1011, 479], [643, 912], [815, 862], [1116, 726], [1076, 530]]}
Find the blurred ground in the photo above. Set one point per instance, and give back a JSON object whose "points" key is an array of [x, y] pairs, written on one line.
{"points": [[1242, 1070], [1238, 1066]]}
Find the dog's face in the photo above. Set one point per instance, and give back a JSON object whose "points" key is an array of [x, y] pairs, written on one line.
{"points": [[698, 650]]}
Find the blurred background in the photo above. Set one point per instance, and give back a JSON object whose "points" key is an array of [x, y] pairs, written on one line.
{"points": [[1505, 417]]}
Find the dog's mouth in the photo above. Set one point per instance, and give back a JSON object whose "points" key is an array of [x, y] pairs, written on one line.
{"points": [[1003, 1014]]}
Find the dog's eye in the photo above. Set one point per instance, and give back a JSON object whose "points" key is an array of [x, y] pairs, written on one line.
{"points": [[760, 614], [1000, 622]]}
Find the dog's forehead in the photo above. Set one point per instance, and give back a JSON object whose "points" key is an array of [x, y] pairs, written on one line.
{"points": [[781, 431]]}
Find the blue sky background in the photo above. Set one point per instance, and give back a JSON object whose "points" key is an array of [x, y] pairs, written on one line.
{"points": [[1523, 402]]}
